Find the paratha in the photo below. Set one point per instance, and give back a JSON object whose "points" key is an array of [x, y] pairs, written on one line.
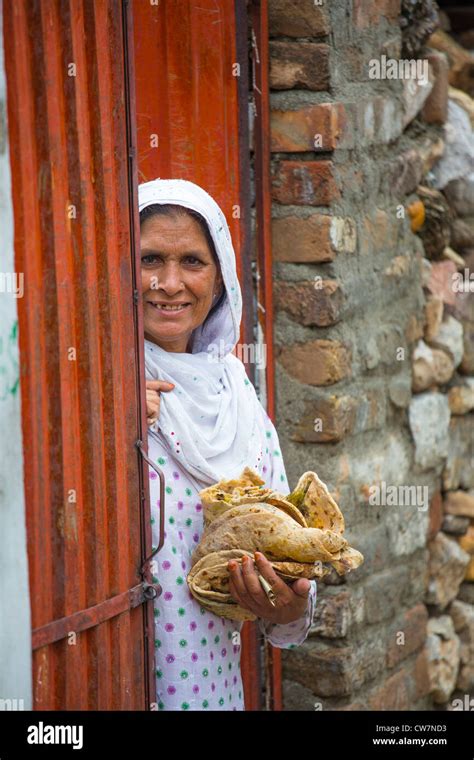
{"points": [[300, 534]]}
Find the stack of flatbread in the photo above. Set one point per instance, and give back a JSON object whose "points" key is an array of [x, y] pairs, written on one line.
{"points": [[300, 534]]}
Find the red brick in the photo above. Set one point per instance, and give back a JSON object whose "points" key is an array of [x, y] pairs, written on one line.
{"points": [[292, 18], [317, 362], [330, 673], [309, 183], [333, 616], [394, 694], [317, 128], [377, 232], [340, 416], [302, 65], [315, 238], [310, 303], [435, 110], [413, 625], [337, 415]]}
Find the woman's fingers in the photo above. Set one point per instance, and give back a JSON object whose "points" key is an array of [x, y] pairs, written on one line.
{"points": [[279, 587], [153, 390], [246, 589], [237, 585], [159, 385]]}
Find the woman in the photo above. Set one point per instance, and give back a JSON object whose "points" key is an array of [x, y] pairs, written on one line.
{"points": [[205, 424]]}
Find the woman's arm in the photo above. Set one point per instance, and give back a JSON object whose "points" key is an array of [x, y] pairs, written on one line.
{"points": [[293, 634]]}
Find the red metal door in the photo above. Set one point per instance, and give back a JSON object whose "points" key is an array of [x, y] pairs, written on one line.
{"points": [[191, 80], [81, 360]]}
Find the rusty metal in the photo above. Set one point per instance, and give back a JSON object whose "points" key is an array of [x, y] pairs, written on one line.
{"points": [[161, 476], [192, 118], [265, 315], [192, 123], [81, 621], [82, 375]]}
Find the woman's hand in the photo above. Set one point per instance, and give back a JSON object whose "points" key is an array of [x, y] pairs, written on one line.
{"points": [[153, 389], [245, 588]]}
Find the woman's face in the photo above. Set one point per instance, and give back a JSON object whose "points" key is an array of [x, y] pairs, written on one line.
{"points": [[178, 269]]}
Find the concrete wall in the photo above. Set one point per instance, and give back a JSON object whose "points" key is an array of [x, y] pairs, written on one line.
{"points": [[15, 623]]}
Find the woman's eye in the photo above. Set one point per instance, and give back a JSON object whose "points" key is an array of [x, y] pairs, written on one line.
{"points": [[193, 260], [149, 259]]}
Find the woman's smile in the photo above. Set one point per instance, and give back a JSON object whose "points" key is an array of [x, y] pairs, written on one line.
{"points": [[169, 310]]}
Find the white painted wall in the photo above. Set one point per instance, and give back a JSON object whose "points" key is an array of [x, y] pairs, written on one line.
{"points": [[15, 622]]}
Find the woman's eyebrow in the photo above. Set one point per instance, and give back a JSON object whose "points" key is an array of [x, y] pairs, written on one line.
{"points": [[157, 252]]}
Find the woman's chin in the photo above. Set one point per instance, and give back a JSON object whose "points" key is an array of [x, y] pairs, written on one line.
{"points": [[169, 336]]}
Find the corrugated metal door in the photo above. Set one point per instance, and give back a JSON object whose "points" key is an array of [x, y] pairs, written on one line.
{"points": [[191, 78], [81, 362]]}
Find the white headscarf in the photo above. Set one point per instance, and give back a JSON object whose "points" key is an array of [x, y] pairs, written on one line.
{"points": [[210, 421]]}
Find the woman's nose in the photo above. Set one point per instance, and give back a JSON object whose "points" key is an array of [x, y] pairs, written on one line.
{"points": [[170, 279]]}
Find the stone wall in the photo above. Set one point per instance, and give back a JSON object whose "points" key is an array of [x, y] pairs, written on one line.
{"points": [[374, 348]]}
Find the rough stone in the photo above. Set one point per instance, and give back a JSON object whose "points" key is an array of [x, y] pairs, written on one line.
{"points": [[459, 503], [460, 194], [466, 592], [435, 110], [455, 525], [461, 397], [458, 158], [466, 543], [431, 366], [440, 282], [459, 469], [436, 515], [429, 416], [463, 621], [433, 316], [297, 697], [406, 172], [414, 96], [443, 653], [450, 338], [447, 567], [399, 390]]}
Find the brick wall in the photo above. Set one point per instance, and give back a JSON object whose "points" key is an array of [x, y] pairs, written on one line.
{"points": [[357, 304]]}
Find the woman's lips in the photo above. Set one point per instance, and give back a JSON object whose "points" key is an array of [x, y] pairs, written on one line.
{"points": [[170, 310]]}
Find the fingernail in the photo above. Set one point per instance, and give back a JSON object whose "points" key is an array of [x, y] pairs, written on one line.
{"points": [[257, 555], [244, 559]]}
